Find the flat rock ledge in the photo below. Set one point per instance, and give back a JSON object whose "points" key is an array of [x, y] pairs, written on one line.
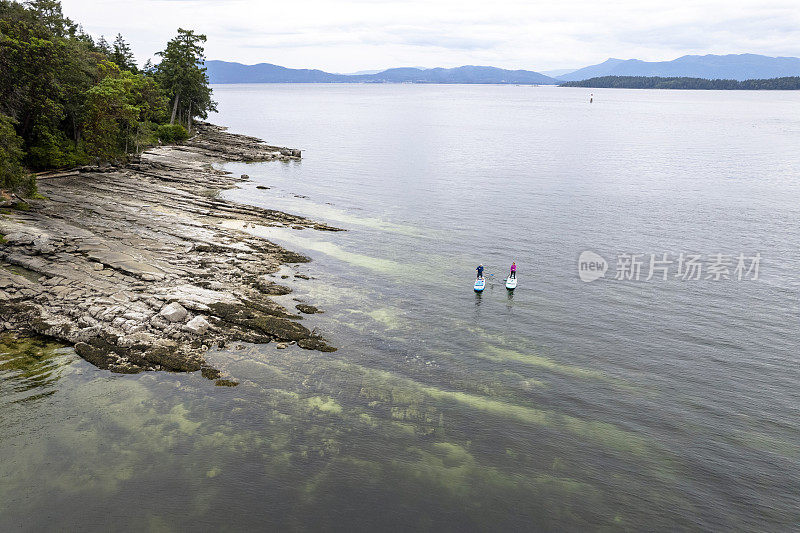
{"points": [[135, 266]]}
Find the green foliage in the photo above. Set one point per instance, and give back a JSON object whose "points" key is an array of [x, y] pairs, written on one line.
{"points": [[122, 55], [13, 176], [68, 100], [103, 47], [184, 78], [53, 149], [115, 108], [655, 82], [171, 133]]}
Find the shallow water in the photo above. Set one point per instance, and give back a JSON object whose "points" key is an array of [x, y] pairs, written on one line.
{"points": [[611, 405]]}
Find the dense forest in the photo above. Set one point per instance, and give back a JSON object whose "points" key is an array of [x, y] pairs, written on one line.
{"points": [[655, 82], [67, 99]]}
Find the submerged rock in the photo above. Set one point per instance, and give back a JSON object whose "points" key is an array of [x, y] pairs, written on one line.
{"points": [[307, 309]]}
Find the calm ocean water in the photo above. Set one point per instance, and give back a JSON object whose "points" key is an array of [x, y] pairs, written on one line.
{"points": [[619, 404]]}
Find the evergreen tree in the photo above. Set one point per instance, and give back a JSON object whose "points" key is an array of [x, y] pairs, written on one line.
{"points": [[49, 14], [103, 47], [122, 55], [65, 99], [183, 76]]}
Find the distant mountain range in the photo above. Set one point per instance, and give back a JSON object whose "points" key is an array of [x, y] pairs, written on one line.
{"points": [[736, 67], [225, 72], [729, 67]]}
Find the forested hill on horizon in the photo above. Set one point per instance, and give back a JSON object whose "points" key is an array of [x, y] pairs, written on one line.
{"points": [[787, 83], [738, 67], [228, 72]]}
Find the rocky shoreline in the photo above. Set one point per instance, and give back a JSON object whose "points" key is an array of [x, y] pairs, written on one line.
{"points": [[138, 266]]}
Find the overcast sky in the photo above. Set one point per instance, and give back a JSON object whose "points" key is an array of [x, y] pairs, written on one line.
{"points": [[351, 35]]}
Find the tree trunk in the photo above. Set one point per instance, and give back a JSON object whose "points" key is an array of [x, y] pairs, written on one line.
{"points": [[175, 108], [189, 118]]}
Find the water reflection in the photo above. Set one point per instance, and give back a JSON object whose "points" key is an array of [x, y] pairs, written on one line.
{"points": [[510, 298]]}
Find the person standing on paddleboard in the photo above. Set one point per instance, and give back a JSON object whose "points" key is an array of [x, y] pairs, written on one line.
{"points": [[513, 270], [480, 271]]}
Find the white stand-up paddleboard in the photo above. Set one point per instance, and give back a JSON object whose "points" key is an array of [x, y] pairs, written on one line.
{"points": [[511, 283], [480, 284]]}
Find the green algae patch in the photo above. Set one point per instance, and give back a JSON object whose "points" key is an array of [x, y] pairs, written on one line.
{"points": [[360, 260], [28, 357], [495, 353], [366, 419], [443, 483], [178, 419], [407, 401], [524, 382], [333, 250], [386, 316], [452, 455], [601, 432], [324, 404], [767, 443]]}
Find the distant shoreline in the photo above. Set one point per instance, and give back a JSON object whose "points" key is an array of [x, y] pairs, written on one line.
{"points": [[789, 83], [710, 67], [605, 82]]}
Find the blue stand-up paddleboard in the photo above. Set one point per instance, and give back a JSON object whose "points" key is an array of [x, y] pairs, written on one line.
{"points": [[511, 283], [480, 284]]}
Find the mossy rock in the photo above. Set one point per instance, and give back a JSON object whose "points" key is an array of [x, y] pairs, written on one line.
{"points": [[210, 373], [275, 327], [291, 257]]}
